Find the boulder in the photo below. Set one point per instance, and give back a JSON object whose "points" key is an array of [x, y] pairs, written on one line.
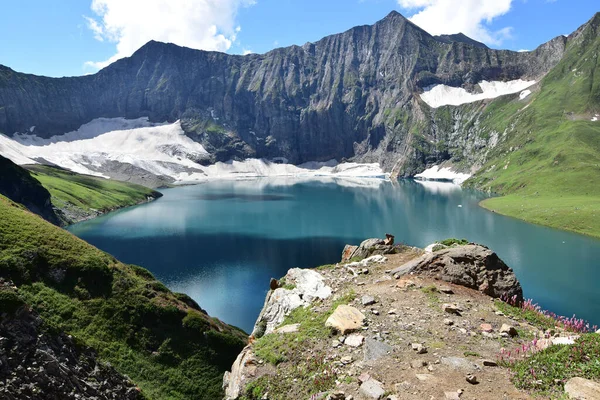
{"points": [[374, 350], [582, 389], [345, 319], [473, 266], [509, 329], [372, 389], [243, 366], [348, 252], [368, 248], [354, 340]]}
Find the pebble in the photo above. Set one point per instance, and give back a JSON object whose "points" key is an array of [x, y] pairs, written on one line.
{"points": [[448, 321], [419, 348], [490, 363], [472, 379], [451, 308], [508, 329], [368, 300]]}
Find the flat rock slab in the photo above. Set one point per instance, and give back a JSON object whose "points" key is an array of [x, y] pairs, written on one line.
{"points": [[354, 340], [292, 328], [582, 389], [345, 319], [458, 363], [372, 389], [375, 350]]}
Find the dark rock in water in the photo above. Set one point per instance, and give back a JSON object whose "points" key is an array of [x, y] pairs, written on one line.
{"points": [[17, 184], [473, 266], [39, 363]]}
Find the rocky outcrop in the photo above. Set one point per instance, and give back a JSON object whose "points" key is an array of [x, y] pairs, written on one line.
{"points": [[473, 266], [368, 248], [582, 389], [17, 184], [350, 95], [39, 363], [307, 285]]}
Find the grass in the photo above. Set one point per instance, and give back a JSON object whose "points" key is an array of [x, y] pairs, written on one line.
{"points": [[546, 167], [162, 341], [535, 318], [86, 192], [432, 295], [545, 372]]}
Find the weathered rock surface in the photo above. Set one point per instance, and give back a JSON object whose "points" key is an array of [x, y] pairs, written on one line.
{"points": [[36, 363], [345, 319], [473, 266], [309, 285], [243, 367], [582, 389]]}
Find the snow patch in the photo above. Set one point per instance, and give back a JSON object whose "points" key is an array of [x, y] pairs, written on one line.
{"points": [[524, 94], [436, 173], [594, 119], [442, 95], [439, 187], [161, 149]]}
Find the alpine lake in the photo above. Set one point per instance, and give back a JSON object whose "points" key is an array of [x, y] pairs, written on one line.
{"points": [[221, 241]]}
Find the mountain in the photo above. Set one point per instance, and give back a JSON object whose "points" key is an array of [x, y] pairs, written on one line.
{"points": [[388, 93], [352, 94]]}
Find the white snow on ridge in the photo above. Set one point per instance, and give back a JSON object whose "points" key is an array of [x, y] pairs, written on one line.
{"points": [[442, 95], [436, 173], [161, 149]]}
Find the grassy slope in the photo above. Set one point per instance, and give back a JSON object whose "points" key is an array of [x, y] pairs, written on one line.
{"points": [[552, 174], [88, 192], [162, 341]]}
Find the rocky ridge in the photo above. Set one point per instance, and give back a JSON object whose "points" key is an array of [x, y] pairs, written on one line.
{"points": [[394, 326], [349, 95]]}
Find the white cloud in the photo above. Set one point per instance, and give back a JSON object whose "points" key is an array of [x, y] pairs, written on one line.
{"points": [[470, 17], [199, 24], [245, 52]]}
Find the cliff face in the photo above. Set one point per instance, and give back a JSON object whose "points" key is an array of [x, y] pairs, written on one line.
{"points": [[17, 184], [352, 94]]}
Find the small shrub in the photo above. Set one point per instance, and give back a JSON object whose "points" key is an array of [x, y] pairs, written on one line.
{"points": [[454, 242], [10, 301]]}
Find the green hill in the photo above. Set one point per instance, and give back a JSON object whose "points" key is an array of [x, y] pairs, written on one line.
{"points": [[548, 166], [163, 341]]}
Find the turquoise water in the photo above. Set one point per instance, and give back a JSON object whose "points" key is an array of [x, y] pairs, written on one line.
{"points": [[221, 242]]}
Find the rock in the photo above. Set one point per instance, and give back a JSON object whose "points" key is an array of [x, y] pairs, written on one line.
{"points": [[405, 283], [472, 379], [509, 329], [452, 395], [424, 377], [598, 332], [292, 328], [490, 363], [448, 322], [335, 343], [346, 360], [363, 377], [473, 266], [393, 311], [419, 348], [345, 319], [274, 284], [233, 382], [367, 300], [458, 363], [372, 389], [416, 364], [348, 252], [389, 240], [582, 389], [486, 328], [446, 289], [374, 350], [309, 285], [354, 340], [338, 395], [451, 308]]}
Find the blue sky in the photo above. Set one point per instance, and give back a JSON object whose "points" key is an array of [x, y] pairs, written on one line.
{"points": [[75, 37]]}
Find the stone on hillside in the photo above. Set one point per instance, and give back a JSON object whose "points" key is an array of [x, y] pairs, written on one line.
{"points": [[452, 395], [424, 377], [363, 377], [372, 389], [292, 328], [348, 252], [419, 348], [367, 300], [472, 379], [374, 350], [458, 363], [345, 319], [490, 363], [582, 389], [354, 340], [234, 381], [446, 289], [598, 331], [448, 322], [486, 328], [451, 308], [338, 395], [473, 266], [346, 360], [509, 329], [416, 364]]}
